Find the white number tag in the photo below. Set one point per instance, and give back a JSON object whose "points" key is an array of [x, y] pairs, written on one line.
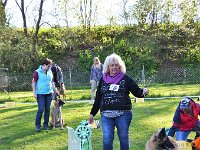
{"points": [[114, 87]]}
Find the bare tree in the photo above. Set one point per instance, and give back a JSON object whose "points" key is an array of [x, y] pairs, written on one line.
{"points": [[90, 15], [140, 11], [22, 9], [86, 13], [66, 15], [146, 11], [167, 11], [189, 10], [37, 27], [65, 8], [2, 12], [153, 13], [125, 13]]}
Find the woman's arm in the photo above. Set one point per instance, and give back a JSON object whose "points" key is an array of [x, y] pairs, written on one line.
{"points": [[96, 105], [34, 80], [91, 72], [133, 87]]}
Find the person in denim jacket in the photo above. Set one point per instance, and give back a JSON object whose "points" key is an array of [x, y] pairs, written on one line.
{"points": [[113, 101], [95, 76]]}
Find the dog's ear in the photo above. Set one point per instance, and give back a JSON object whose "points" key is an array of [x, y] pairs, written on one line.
{"points": [[61, 102], [155, 137], [162, 134], [57, 96]]}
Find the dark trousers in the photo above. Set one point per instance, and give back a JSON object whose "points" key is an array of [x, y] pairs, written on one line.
{"points": [[44, 103]]}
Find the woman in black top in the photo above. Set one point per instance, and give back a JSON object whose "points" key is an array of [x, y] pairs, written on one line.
{"points": [[112, 98]]}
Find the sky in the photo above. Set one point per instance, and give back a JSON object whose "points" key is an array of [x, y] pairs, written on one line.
{"points": [[53, 15], [105, 9]]}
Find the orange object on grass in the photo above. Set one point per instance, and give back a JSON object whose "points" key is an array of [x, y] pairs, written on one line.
{"points": [[196, 143]]}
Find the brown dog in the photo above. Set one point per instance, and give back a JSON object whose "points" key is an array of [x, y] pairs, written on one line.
{"points": [[56, 114], [61, 91], [161, 141]]}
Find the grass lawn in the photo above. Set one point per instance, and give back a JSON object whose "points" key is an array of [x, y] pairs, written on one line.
{"points": [[84, 94], [17, 123]]}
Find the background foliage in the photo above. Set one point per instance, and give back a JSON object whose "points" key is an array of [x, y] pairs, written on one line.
{"points": [[149, 32], [76, 47]]}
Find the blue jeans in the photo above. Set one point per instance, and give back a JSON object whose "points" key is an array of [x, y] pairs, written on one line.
{"points": [[182, 135], [44, 104], [122, 123]]}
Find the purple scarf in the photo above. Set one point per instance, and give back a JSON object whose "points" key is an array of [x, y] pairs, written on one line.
{"points": [[115, 79]]}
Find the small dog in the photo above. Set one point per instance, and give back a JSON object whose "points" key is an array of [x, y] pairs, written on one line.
{"points": [[161, 141], [56, 114], [61, 91]]}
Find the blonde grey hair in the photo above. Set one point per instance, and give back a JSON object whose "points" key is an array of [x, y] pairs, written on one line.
{"points": [[111, 59], [96, 65], [96, 58]]}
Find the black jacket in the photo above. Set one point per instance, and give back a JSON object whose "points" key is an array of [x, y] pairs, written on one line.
{"points": [[115, 100]]}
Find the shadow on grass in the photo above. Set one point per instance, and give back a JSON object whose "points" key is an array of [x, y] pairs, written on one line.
{"points": [[17, 125], [18, 130], [18, 108]]}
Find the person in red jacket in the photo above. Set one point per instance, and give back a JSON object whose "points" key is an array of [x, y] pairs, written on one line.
{"points": [[185, 119]]}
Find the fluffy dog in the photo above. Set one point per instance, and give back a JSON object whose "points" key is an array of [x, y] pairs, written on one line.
{"points": [[61, 91], [161, 141], [56, 114]]}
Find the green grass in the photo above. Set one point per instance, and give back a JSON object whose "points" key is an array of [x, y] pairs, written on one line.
{"points": [[17, 123], [27, 96], [174, 90], [84, 94]]}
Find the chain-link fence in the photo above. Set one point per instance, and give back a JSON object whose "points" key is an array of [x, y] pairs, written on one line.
{"points": [[4, 79], [74, 78]]}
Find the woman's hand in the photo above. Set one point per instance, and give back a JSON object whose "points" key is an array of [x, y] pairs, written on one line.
{"points": [[145, 91], [35, 95], [91, 119]]}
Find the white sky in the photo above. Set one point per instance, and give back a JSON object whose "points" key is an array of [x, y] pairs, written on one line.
{"points": [[105, 9]]}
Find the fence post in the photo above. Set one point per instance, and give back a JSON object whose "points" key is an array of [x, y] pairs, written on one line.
{"points": [[70, 77], [184, 74], [4, 81], [143, 77]]}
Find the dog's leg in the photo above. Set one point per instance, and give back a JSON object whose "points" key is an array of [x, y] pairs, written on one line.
{"points": [[64, 96], [53, 120], [61, 119], [62, 89], [61, 123]]}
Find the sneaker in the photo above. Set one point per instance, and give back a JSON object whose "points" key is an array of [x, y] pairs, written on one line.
{"points": [[37, 128], [46, 127]]}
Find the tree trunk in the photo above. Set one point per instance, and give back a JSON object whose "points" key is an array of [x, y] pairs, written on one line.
{"points": [[3, 13], [35, 37], [23, 16]]}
